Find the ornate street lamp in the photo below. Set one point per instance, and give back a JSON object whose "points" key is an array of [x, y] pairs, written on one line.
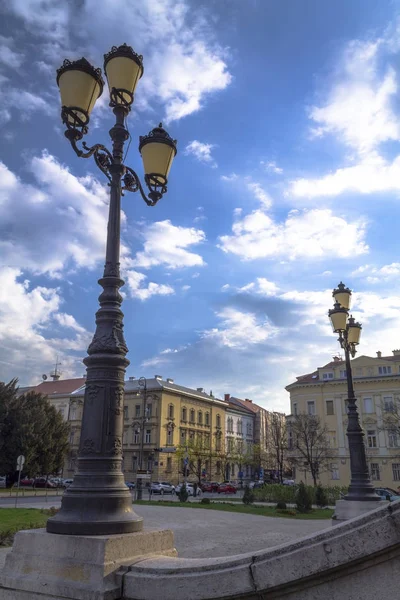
{"points": [[98, 502], [361, 488]]}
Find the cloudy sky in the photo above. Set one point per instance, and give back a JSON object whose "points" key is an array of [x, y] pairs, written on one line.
{"points": [[287, 180]]}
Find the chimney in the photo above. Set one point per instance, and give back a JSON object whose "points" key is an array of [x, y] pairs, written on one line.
{"points": [[132, 378], [169, 380], [55, 376], [337, 359], [396, 352], [158, 377], [200, 389], [379, 354], [226, 397], [248, 400]]}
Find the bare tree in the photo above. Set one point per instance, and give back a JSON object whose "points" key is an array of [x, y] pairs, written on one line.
{"points": [[277, 442], [310, 446]]}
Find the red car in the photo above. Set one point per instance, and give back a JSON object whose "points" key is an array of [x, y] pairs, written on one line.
{"points": [[226, 488], [25, 482], [40, 482], [209, 486]]}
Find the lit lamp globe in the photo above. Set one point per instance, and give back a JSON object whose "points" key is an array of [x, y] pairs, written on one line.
{"points": [[80, 86], [342, 294], [338, 316], [123, 69], [353, 331], [158, 150]]}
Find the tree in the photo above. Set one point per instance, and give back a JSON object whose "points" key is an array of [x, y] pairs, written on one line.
{"points": [[311, 445], [198, 452], [303, 499], [277, 441], [29, 425]]}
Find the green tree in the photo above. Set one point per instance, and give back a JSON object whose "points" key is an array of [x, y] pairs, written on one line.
{"points": [[321, 499], [248, 496], [303, 499], [29, 425]]}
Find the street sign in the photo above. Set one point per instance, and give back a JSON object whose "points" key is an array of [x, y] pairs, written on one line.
{"points": [[240, 474], [166, 449], [20, 462], [143, 476]]}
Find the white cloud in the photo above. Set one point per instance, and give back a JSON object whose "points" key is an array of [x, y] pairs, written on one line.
{"points": [[29, 319], [272, 167], [9, 57], [231, 177], [240, 329], [185, 288], [312, 234], [135, 280], [201, 151], [61, 219], [167, 244], [259, 193], [378, 274]]}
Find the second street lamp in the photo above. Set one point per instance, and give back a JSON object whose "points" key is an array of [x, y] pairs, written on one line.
{"points": [[98, 501], [361, 488]]}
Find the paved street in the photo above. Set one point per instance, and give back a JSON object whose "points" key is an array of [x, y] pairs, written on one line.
{"points": [[206, 533]]}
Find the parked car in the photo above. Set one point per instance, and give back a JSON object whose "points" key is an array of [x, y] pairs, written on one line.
{"points": [[42, 482], [226, 488], [209, 486], [130, 485], [190, 489], [288, 482], [255, 484], [387, 494], [25, 482], [3, 481], [67, 482], [162, 487], [58, 481]]}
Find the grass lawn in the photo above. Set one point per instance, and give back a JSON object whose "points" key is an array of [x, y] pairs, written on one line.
{"points": [[263, 511], [14, 519]]}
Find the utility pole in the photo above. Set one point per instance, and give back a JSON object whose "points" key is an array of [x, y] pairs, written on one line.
{"points": [[143, 384]]}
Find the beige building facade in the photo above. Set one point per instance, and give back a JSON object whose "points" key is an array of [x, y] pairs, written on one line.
{"points": [[377, 389]]}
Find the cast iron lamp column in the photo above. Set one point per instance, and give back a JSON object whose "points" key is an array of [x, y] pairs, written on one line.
{"points": [[98, 501], [361, 488]]}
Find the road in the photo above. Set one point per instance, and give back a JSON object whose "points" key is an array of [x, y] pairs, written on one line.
{"points": [[207, 533]]}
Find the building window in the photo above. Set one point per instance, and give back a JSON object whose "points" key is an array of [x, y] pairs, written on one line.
{"points": [[240, 447], [218, 444], [149, 410], [149, 463], [332, 439], [230, 444], [169, 464], [295, 408], [200, 418], [192, 415], [343, 374], [229, 426], [71, 437], [207, 440], [239, 426], [170, 411], [191, 436], [147, 439], [388, 404], [125, 412], [136, 436], [334, 472], [183, 436], [396, 471], [393, 439], [371, 438], [62, 413], [134, 463], [218, 467], [184, 414], [329, 407], [137, 410], [218, 421], [311, 407], [385, 370], [249, 429], [327, 375], [368, 405], [72, 413], [290, 439], [207, 418], [375, 473], [170, 436]]}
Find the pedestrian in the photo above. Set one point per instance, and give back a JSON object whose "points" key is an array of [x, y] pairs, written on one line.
{"points": [[195, 489]]}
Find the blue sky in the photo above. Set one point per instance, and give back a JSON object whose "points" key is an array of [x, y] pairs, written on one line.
{"points": [[287, 181]]}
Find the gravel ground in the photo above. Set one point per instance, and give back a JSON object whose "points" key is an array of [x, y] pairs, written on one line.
{"points": [[206, 533]]}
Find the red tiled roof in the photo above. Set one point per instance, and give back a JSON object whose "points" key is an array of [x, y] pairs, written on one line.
{"points": [[62, 386], [248, 404]]}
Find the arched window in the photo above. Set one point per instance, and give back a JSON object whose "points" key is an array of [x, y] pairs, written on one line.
{"points": [[239, 426], [170, 411], [218, 420], [192, 415], [200, 418], [184, 414], [207, 418]]}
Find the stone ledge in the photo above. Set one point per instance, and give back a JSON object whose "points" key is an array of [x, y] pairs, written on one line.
{"points": [[293, 571], [77, 567]]}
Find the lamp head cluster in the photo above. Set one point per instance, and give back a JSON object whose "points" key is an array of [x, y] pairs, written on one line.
{"points": [[81, 85], [348, 329]]}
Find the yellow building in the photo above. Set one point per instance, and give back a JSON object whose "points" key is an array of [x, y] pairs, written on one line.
{"points": [[377, 389], [160, 414]]}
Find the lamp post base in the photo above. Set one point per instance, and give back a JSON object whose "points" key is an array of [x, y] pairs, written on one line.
{"points": [[349, 509]]}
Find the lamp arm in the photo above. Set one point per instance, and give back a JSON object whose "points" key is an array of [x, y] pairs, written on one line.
{"points": [[103, 157], [132, 183]]}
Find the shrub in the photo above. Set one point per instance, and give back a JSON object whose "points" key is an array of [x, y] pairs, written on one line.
{"points": [[321, 499], [183, 494], [205, 501], [248, 496], [303, 499], [287, 511], [281, 505]]}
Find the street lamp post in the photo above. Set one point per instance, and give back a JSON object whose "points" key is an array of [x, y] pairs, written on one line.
{"points": [[143, 384], [361, 488], [98, 501]]}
